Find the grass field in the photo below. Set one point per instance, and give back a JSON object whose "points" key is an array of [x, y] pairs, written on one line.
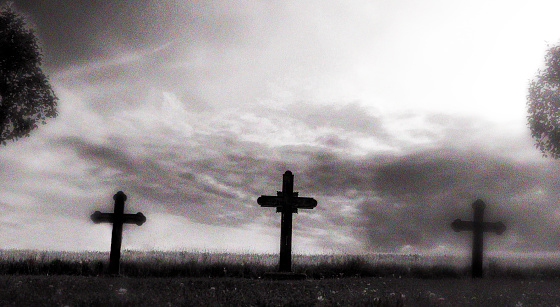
{"points": [[39, 278], [199, 264]]}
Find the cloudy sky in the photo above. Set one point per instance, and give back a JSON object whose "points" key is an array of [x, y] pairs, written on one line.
{"points": [[394, 115]]}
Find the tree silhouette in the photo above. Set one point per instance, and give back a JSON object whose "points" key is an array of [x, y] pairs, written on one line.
{"points": [[543, 102], [26, 97]]}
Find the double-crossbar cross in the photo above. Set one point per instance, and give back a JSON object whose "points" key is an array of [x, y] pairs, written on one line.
{"points": [[478, 227], [118, 218], [286, 202]]}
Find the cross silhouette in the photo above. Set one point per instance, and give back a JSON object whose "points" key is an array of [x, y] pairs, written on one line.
{"points": [[478, 227], [286, 202], [118, 218]]}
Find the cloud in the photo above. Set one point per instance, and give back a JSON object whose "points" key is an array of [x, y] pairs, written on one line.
{"points": [[411, 200], [81, 32], [210, 167]]}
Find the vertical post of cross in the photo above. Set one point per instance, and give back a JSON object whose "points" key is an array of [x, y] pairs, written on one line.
{"points": [[116, 238], [286, 224], [478, 238]]}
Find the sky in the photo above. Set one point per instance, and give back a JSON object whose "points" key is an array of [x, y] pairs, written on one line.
{"points": [[394, 115]]}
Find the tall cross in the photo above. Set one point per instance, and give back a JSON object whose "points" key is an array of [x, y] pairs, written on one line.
{"points": [[286, 202], [118, 218], [478, 227]]}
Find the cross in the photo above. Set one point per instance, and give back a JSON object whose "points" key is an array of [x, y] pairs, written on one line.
{"points": [[478, 227], [286, 202], [118, 218]]}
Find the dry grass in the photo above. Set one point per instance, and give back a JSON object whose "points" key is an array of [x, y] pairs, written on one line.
{"points": [[201, 264]]}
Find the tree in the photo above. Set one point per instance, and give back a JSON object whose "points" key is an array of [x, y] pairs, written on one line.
{"points": [[543, 102], [26, 97]]}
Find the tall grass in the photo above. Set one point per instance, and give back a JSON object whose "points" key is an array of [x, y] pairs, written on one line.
{"points": [[204, 264]]}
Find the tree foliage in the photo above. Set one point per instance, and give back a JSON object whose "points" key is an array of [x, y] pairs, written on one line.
{"points": [[26, 97], [543, 102]]}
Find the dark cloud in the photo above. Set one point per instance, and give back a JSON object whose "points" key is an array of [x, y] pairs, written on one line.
{"points": [[437, 173], [76, 32], [69, 30], [412, 199], [213, 191], [106, 156], [329, 174]]}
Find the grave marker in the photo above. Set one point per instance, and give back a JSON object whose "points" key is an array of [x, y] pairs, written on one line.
{"points": [[286, 202], [118, 218], [478, 227]]}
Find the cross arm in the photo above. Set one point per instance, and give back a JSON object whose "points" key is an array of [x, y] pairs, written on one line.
{"points": [[138, 218], [497, 227], [98, 217], [270, 201], [305, 203], [459, 225], [279, 201]]}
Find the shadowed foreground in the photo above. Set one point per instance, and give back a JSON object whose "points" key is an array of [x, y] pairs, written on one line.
{"points": [[103, 291]]}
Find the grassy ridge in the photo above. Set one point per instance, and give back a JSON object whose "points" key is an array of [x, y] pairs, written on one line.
{"points": [[199, 264]]}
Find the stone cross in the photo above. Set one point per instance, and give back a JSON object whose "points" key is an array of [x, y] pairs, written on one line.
{"points": [[286, 202], [478, 227], [118, 218]]}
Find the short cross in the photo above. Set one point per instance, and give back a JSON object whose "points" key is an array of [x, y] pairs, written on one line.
{"points": [[118, 218], [286, 202], [478, 227]]}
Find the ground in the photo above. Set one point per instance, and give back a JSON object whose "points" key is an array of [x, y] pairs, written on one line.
{"points": [[124, 291]]}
